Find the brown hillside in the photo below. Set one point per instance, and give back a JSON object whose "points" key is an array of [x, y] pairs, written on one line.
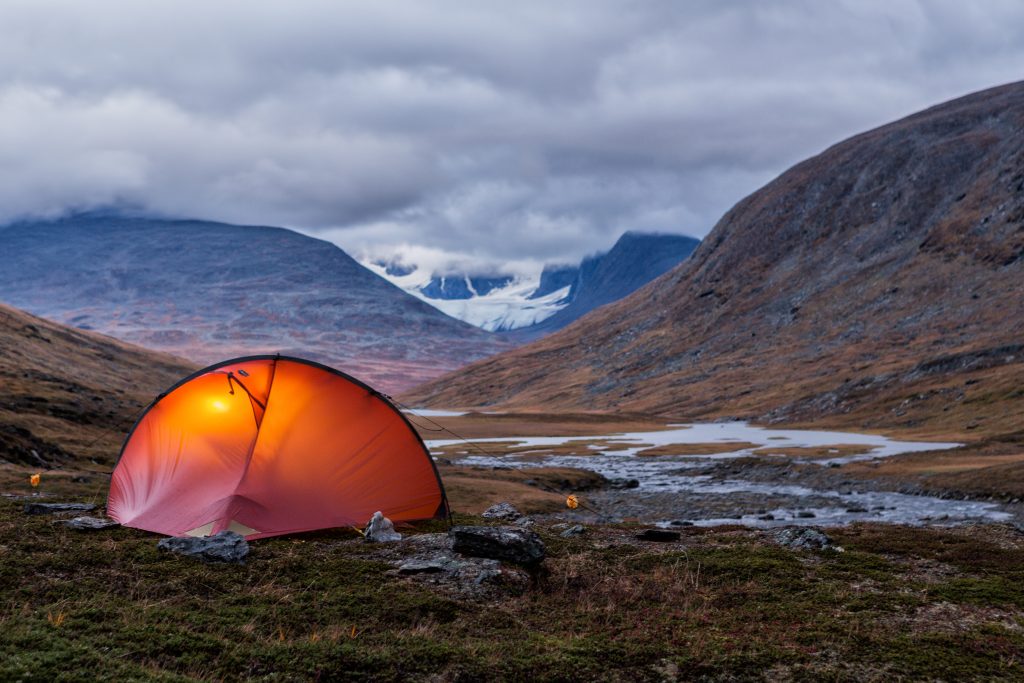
{"points": [[880, 283], [66, 393]]}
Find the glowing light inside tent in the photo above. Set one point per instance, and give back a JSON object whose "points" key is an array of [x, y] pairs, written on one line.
{"points": [[218, 405]]}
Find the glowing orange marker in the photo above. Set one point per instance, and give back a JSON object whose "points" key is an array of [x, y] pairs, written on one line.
{"points": [[572, 502], [34, 480]]}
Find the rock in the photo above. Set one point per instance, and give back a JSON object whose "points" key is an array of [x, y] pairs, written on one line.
{"points": [[380, 530], [856, 508], [487, 574], [575, 530], [509, 543], [658, 535], [805, 514], [429, 566], [624, 483], [50, 508], [803, 538], [767, 517], [525, 522], [223, 546], [503, 511], [89, 523]]}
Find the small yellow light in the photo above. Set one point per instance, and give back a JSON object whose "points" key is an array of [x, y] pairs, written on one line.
{"points": [[34, 480], [219, 405], [572, 502]]}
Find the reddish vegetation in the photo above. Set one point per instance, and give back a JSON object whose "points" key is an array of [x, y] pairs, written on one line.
{"points": [[879, 284]]}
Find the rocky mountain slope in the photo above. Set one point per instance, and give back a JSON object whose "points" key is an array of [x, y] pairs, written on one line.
{"points": [[634, 260], [879, 283], [70, 394], [530, 307], [206, 291]]}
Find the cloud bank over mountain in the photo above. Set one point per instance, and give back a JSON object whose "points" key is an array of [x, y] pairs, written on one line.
{"points": [[526, 131]]}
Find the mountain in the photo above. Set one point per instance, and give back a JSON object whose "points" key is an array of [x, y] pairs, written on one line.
{"points": [[69, 393], [878, 283], [527, 308], [206, 291], [491, 302], [634, 260]]}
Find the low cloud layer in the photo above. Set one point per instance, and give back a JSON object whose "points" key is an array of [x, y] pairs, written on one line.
{"points": [[493, 132]]}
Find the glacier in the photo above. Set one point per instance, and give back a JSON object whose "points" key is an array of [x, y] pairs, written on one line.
{"points": [[502, 308]]}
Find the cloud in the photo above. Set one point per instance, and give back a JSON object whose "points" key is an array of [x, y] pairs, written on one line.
{"points": [[518, 132]]}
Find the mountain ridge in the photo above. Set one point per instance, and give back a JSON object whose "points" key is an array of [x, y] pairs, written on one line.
{"points": [[522, 309], [207, 291], [817, 296], [70, 394]]}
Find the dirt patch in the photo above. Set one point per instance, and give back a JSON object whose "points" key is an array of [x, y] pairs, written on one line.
{"points": [[535, 491]]}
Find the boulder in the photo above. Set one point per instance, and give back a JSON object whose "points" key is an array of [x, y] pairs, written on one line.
{"points": [[658, 535], [89, 523], [223, 546], [50, 508], [505, 512], [508, 543], [803, 538], [380, 530]]}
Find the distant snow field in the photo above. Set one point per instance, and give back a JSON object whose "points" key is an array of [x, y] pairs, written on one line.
{"points": [[507, 306]]}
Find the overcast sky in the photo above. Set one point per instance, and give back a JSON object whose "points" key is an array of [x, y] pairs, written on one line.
{"points": [[502, 131]]}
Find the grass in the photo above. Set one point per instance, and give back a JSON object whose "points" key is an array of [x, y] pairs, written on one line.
{"points": [[901, 602]]}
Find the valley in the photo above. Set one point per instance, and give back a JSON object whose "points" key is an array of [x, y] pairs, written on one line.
{"points": [[727, 473], [528, 307], [455, 342], [878, 285]]}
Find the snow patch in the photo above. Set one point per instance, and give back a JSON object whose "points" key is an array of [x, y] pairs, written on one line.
{"points": [[503, 308]]}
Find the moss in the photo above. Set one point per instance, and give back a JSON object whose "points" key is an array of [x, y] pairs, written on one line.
{"points": [[985, 591], [723, 604]]}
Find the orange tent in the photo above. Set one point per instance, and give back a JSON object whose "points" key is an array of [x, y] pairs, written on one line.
{"points": [[270, 445]]}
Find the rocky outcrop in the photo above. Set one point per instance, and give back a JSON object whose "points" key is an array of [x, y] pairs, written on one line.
{"points": [[803, 538], [508, 543], [53, 508], [224, 546], [89, 523], [504, 512]]}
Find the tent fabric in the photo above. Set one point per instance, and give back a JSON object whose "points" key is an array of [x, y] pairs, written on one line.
{"points": [[270, 445]]}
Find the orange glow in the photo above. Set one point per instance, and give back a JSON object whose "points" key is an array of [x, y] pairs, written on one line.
{"points": [[572, 502], [295, 448], [34, 480]]}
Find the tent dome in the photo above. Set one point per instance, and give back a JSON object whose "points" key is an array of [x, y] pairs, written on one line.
{"points": [[270, 445]]}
